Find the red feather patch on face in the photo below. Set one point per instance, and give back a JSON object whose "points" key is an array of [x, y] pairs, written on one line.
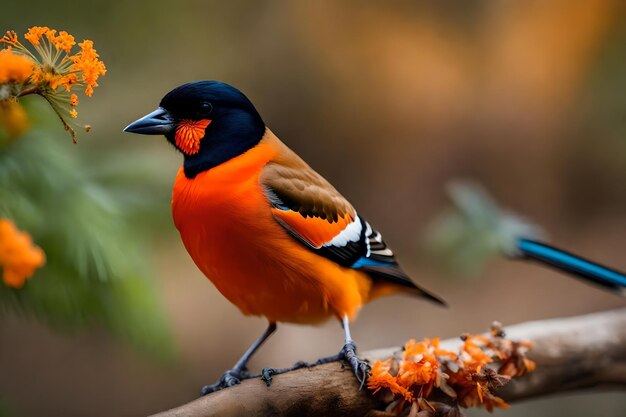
{"points": [[189, 133]]}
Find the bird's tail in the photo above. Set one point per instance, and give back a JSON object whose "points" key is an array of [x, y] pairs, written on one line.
{"points": [[609, 278], [393, 279]]}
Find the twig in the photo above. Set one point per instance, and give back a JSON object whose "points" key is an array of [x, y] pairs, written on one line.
{"points": [[573, 353], [31, 90]]}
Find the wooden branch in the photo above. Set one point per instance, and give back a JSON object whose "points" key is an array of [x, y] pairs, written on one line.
{"points": [[573, 353]]}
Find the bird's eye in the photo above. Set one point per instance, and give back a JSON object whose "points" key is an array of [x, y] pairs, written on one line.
{"points": [[205, 109]]}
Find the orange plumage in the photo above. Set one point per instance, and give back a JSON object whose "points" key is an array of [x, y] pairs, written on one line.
{"points": [[227, 227], [274, 237]]}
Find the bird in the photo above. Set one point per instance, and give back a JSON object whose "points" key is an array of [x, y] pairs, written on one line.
{"points": [[276, 238], [273, 236]]}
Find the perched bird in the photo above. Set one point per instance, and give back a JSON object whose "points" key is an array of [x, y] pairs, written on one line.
{"points": [[276, 238]]}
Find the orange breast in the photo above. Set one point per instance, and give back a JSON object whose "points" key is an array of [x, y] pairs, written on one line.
{"points": [[227, 227]]}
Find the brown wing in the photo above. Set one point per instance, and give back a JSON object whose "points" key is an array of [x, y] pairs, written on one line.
{"points": [[302, 189], [317, 215]]}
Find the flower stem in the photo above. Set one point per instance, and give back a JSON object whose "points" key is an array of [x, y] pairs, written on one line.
{"points": [[31, 90]]}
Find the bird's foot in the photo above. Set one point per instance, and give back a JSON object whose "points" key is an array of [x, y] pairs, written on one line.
{"points": [[348, 353], [228, 379], [360, 367], [267, 373]]}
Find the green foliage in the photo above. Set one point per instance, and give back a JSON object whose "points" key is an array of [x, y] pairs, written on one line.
{"points": [[5, 408], [93, 220], [464, 237]]}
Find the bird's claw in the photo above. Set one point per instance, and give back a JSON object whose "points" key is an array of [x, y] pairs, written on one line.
{"points": [[232, 377], [266, 375], [228, 379], [360, 367]]}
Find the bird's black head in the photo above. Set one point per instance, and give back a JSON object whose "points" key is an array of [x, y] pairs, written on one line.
{"points": [[210, 122]]}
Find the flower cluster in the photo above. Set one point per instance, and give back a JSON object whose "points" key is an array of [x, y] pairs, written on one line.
{"points": [[426, 374], [19, 257], [13, 118], [14, 68], [51, 71]]}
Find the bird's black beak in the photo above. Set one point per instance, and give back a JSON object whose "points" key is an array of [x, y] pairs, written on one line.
{"points": [[159, 122]]}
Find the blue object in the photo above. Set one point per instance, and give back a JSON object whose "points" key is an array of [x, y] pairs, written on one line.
{"points": [[573, 264], [364, 261]]}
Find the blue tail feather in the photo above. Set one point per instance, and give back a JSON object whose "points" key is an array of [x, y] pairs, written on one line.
{"points": [[573, 264]]}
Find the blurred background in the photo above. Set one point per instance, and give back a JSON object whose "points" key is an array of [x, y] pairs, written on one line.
{"points": [[389, 101]]}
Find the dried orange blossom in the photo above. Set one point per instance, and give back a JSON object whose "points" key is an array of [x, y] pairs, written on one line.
{"points": [[426, 374]]}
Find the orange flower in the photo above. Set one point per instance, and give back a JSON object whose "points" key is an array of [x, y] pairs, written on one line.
{"points": [[472, 355], [87, 62], [13, 118], [50, 33], [35, 33], [68, 81], [423, 372], [380, 378], [464, 378], [14, 68], [45, 78], [49, 70], [412, 348], [63, 41], [419, 364], [9, 38], [19, 257]]}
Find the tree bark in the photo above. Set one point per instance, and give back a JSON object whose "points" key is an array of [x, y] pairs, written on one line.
{"points": [[571, 354]]}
